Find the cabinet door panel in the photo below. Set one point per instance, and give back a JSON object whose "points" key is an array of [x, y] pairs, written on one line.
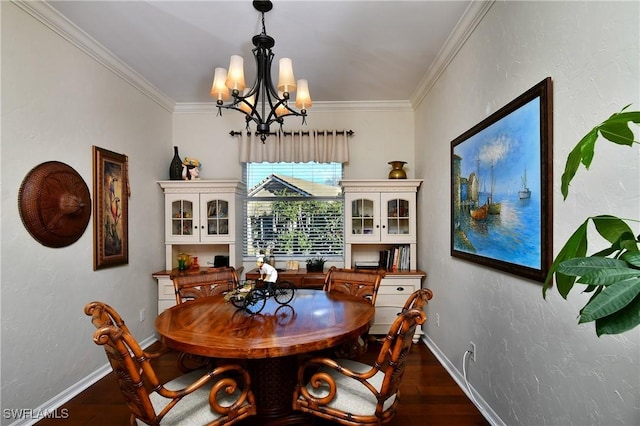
{"points": [[362, 217], [182, 218], [398, 218], [216, 211]]}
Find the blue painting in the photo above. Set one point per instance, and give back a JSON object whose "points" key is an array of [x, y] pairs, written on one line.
{"points": [[499, 190]]}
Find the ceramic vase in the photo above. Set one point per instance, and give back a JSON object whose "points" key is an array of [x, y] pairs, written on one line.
{"points": [[175, 168]]}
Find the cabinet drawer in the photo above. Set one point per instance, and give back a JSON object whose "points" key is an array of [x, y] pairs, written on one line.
{"points": [[166, 290], [395, 300], [165, 304], [386, 315]]}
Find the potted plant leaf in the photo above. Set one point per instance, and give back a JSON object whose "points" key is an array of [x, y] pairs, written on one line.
{"points": [[611, 275], [315, 264]]}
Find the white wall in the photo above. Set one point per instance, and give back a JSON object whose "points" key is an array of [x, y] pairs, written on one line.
{"points": [[56, 103], [380, 137], [535, 364]]}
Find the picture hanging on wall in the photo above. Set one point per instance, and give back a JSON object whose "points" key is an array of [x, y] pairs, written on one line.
{"points": [[110, 197], [501, 187]]}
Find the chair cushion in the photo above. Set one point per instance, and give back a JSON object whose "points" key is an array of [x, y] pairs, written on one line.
{"points": [[193, 409], [351, 395]]}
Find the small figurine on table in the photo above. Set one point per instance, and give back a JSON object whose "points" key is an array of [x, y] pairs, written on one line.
{"points": [[268, 274]]}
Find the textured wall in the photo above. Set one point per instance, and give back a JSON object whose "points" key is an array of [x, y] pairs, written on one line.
{"points": [[535, 365], [56, 103]]}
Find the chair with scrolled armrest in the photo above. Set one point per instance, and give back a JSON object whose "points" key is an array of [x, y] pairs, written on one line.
{"points": [[418, 299], [352, 393], [363, 283], [217, 397]]}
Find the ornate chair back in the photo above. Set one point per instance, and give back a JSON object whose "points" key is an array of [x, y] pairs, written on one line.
{"points": [[207, 283], [126, 358], [215, 397], [362, 283]]}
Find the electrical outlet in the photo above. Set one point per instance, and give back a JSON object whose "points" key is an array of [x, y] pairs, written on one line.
{"points": [[142, 312], [437, 320], [472, 351]]}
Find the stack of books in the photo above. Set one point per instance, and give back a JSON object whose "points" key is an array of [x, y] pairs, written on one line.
{"points": [[395, 258]]}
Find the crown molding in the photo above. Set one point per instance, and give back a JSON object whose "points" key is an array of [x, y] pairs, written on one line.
{"points": [[51, 18], [319, 106], [464, 28]]}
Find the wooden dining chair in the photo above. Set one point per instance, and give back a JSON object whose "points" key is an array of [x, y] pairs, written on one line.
{"points": [[363, 283], [221, 396], [357, 282], [211, 282], [352, 393], [418, 299]]}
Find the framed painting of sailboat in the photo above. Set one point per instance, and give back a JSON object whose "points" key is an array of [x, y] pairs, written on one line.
{"points": [[501, 187]]}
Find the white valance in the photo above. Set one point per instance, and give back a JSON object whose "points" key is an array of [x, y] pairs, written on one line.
{"points": [[322, 146]]}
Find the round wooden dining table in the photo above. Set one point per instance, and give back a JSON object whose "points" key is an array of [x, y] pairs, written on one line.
{"points": [[269, 341]]}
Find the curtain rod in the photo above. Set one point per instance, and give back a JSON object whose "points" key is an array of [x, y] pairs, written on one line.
{"points": [[320, 132]]}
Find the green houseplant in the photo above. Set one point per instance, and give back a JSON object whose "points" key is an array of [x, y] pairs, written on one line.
{"points": [[315, 264], [612, 275]]}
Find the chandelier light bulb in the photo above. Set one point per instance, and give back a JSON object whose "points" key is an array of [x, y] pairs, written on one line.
{"points": [[235, 77], [303, 97], [286, 80], [219, 88], [248, 103]]}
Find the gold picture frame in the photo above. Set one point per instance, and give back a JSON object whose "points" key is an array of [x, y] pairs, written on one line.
{"points": [[111, 209]]}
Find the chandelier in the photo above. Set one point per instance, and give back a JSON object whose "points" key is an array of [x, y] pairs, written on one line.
{"points": [[262, 103]]}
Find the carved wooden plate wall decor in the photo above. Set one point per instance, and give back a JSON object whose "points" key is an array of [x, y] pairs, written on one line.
{"points": [[54, 204]]}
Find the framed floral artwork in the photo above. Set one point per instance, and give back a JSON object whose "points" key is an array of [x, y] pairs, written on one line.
{"points": [[110, 199]]}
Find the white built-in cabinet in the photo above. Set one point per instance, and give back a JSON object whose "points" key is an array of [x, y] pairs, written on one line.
{"points": [[381, 214], [202, 218]]}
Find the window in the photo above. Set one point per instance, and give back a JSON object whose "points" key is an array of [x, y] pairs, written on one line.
{"points": [[294, 210]]}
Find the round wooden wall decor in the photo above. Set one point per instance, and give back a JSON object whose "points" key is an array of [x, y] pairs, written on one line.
{"points": [[54, 204]]}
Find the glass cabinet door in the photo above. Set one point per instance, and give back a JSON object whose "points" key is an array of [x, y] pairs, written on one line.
{"points": [[217, 217], [362, 216], [398, 221], [181, 218], [363, 213], [398, 217]]}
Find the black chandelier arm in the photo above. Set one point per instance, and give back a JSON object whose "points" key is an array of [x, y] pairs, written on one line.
{"points": [[263, 93]]}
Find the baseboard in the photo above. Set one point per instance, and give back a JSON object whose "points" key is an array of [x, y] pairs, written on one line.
{"points": [[51, 408], [485, 409]]}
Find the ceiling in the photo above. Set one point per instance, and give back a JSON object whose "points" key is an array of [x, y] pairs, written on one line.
{"points": [[347, 50]]}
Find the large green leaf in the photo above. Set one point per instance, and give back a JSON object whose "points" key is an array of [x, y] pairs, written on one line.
{"points": [[579, 266], [610, 300], [615, 129], [576, 246], [608, 276], [612, 228], [617, 133], [632, 258], [582, 152], [623, 320]]}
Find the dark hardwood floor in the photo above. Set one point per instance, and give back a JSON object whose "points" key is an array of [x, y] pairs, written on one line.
{"points": [[429, 396]]}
